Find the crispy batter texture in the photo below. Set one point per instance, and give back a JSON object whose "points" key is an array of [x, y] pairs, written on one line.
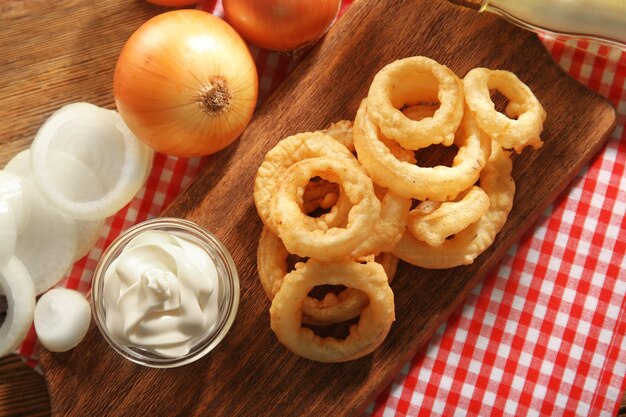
{"points": [[341, 131], [412, 103], [523, 124], [465, 246], [304, 235], [287, 152], [411, 81], [364, 337], [433, 221], [438, 183], [272, 268], [394, 214], [320, 194], [420, 111]]}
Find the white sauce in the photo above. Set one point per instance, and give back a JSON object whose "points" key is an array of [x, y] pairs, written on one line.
{"points": [[161, 294]]}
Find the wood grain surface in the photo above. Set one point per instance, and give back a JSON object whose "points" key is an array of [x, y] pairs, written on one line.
{"points": [[22, 390], [250, 373]]}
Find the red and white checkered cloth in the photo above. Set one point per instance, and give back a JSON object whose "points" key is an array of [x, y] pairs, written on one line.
{"points": [[544, 333]]}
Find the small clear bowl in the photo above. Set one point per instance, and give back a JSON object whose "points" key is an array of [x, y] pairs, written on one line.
{"points": [[228, 296]]}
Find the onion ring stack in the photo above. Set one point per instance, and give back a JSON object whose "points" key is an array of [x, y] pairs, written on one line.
{"points": [[339, 199], [315, 171]]}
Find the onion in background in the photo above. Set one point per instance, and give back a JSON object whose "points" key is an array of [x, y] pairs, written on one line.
{"points": [[281, 25]]}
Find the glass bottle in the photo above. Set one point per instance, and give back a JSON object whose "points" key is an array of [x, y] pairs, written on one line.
{"points": [[600, 20]]}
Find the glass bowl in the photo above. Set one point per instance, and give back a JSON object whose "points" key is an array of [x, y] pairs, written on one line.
{"points": [[228, 295]]}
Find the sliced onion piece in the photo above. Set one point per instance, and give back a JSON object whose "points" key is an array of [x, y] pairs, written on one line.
{"points": [[8, 232], [62, 319], [100, 140], [18, 287], [12, 191], [19, 165], [75, 180], [48, 245]]}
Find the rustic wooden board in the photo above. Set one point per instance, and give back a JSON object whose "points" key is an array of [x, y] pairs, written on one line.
{"points": [[68, 53]]}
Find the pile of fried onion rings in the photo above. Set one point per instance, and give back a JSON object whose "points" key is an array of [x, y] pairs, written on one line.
{"points": [[341, 205]]}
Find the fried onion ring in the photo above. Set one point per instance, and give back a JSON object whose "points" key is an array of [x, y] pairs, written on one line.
{"points": [[394, 214], [272, 268], [410, 81], [341, 131], [389, 262], [320, 194], [439, 183], [433, 221], [420, 111], [305, 237], [365, 336], [507, 131], [465, 246], [349, 303], [287, 152], [394, 211], [271, 262]]}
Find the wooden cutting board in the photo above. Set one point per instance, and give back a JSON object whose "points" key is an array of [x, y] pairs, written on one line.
{"points": [[69, 54]]}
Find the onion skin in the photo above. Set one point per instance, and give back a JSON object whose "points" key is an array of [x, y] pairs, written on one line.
{"points": [[185, 83], [281, 25], [173, 3]]}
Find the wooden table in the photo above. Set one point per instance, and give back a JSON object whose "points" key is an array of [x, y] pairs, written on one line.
{"points": [[23, 391]]}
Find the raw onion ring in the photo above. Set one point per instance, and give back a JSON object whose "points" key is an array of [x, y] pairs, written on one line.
{"points": [[75, 181], [300, 233], [364, 337], [48, 245], [8, 232], [433, 221], [465, 246], [439, 183], [410, 81], [12, 190], [100, 139], [287, 152], [18, 287], [508, 132]]}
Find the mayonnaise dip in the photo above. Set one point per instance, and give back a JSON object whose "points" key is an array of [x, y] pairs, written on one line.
{"points": [[161, 294]]}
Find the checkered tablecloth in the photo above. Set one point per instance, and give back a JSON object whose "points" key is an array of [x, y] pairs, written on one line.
{"points": [[544, 333]]}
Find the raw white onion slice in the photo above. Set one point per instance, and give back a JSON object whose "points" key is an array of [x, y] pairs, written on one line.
{"points": [[61, 319], [18, 287], [73, 179], [48, 245], [100, 139], [12, 191], [19, 165], [77, 182], [8, 232]]}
